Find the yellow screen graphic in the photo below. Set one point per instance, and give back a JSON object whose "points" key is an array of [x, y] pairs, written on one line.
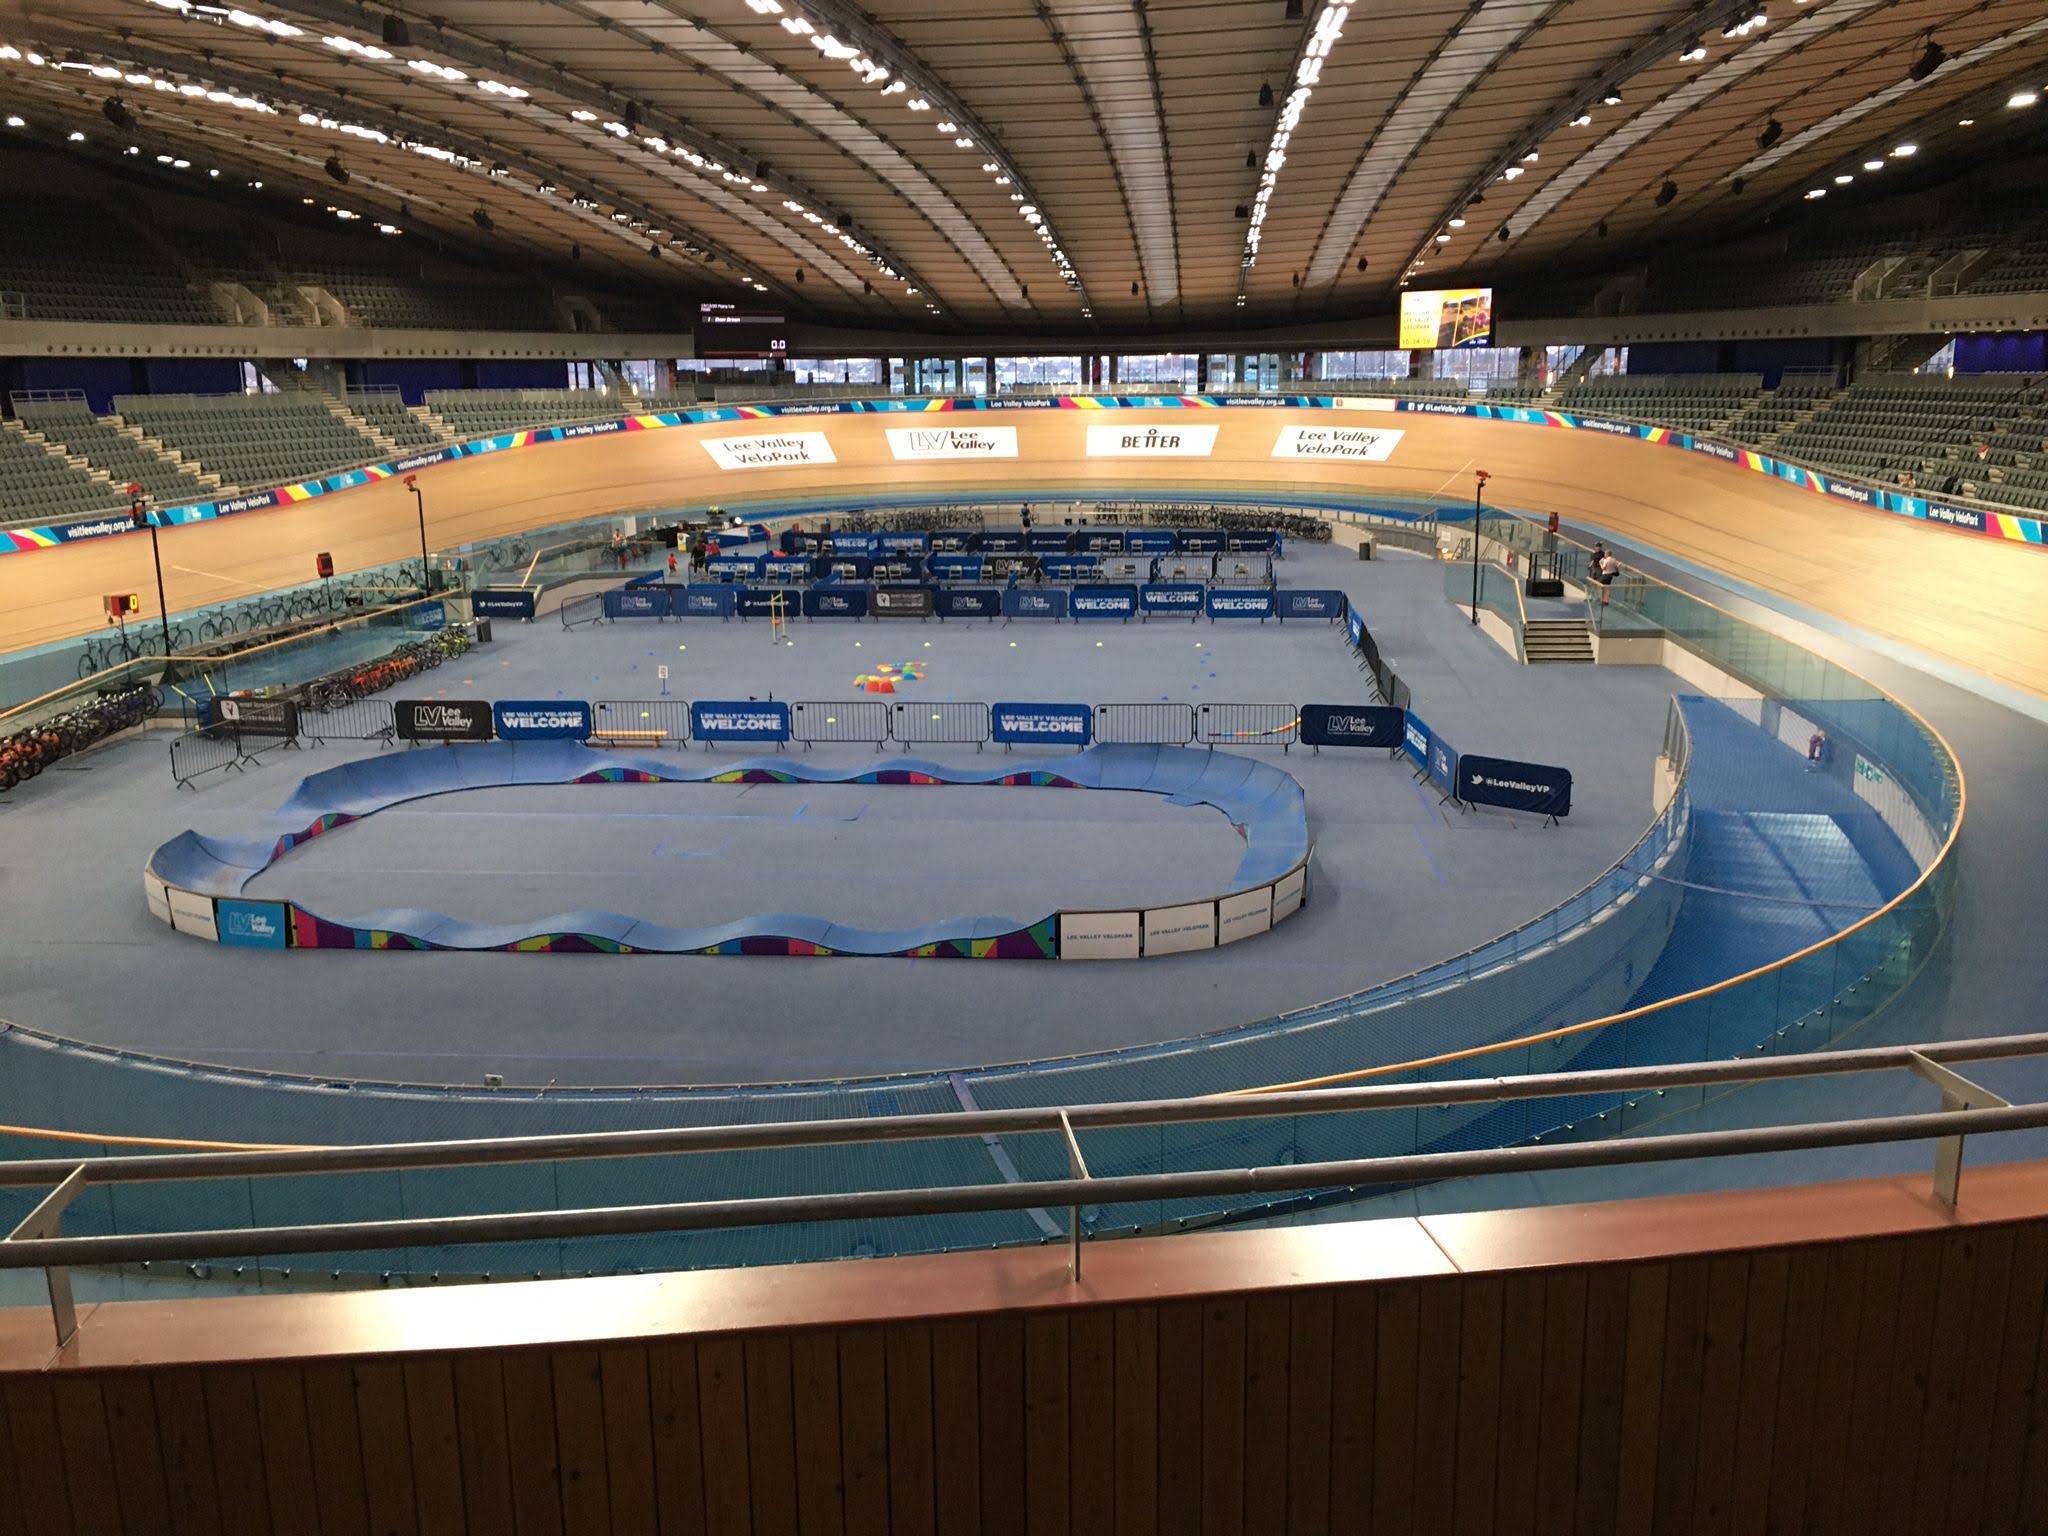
{"points": [[1447, 317]]}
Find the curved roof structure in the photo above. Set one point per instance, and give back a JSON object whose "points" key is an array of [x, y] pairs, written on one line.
{"points": [[1052, 166]]}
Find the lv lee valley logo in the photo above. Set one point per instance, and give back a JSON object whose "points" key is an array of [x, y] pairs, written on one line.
{"points": [[953, 442]]}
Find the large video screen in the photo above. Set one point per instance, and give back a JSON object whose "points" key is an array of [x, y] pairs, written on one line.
{"points": [[1447, 317], [726, 330]]}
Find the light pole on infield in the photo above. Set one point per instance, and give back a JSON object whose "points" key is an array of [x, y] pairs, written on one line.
{"points": [[1479, 479], [420, 505], [138, 517]]}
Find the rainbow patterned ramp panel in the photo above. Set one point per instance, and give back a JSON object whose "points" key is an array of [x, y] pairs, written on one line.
{"points": [[1265, 803]]}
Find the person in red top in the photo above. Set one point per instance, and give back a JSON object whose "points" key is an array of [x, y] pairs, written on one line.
{"points": [[671, 562]]}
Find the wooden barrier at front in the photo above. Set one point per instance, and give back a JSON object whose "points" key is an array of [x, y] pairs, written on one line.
{"points": [[1972, 599], [1850, 1357]]}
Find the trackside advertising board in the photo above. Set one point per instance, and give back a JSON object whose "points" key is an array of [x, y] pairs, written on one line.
{"points": [[1539, 788], [953, 442], [1237, 603], [501, 603], [770, 450], [443, 719], [1041, 725], [251, 924], [542, 719], [739, 720], [1351, 725]]}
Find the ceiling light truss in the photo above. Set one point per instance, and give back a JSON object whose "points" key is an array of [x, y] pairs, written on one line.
{"points": [[1604, 90], [1855, 112], [904, 82], [1319, 41], [1488, 32], [1801, 32], [349, 120], [1130, 118], [492, 69]]}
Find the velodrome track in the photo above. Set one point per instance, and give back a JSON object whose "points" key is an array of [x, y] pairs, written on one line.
{"points": [[1979, 602]]}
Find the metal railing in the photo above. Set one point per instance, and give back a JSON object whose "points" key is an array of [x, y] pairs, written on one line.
{"points": [[37, 1242]]}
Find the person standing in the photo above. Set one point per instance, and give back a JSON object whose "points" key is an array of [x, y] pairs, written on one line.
{"points": [[1609, 569]]}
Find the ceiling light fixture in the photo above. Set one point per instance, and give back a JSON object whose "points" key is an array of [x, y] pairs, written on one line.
{"points": [[1905, 151], [2019, 100], [1873, 165], [1693, 54]]}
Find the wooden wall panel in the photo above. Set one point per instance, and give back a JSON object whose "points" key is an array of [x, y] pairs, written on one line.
{"points": [[1883, 1384]]}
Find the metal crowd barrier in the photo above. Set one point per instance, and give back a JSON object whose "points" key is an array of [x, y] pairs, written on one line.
{"points": [[814, 720], [1145, 725], [640, 722], [357, 720], [1247, 725], [922, 724]]}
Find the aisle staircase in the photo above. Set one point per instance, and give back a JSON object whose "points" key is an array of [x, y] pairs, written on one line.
{"points": [[1556, 640]]}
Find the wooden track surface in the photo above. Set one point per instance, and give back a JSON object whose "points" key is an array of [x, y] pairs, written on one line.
{"points": [[1977, 601]]}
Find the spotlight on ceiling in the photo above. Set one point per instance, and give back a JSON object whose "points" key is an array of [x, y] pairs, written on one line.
{"points": [[1932, 57], [1600, 229], [1667, 194], [1502, 235], [1361, 263], [1134, 290], [115, 110], [335, 170], [396, 33], [1294, 10], [1772, 132], [483, 218], [1242, 210], [1736, 184], [1265, 94]]}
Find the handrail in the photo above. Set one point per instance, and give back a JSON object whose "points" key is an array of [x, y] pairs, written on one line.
{"points": [[37, 1242]]}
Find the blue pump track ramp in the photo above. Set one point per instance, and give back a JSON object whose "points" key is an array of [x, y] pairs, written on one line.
{"points": [[1263, 802]]}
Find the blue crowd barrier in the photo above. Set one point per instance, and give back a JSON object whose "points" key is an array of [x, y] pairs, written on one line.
{"points": [[1200, 541], [765, 602], [970, 603], [954, 567], [1239, 603], [541, 719], [902, 570], [1101, 541], [846, 567], [1300, 603], [630, 602], [1068, 567], [1001, 541], [862, 544], [1035, 603], [739, 720], [788, 570], [1052, 540], [1103, 602], [736, 567], [1041, 725], [1351, 725], [902, 543], [836, 600], [705, 602], [1539, 788], [1151, 541], [1177, 599], [501, 603]]}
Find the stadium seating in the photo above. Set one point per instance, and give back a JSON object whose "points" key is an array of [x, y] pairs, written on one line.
{"points": [[35, 484], [388, 414], [251, 440], [74, 261], [73, 425], [484, 412], [378, 297], [1702, 402], [1919, 430]]}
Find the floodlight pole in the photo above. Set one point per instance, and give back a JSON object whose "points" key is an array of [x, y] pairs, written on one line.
{"points": [[1479, 479], [139, 517]]}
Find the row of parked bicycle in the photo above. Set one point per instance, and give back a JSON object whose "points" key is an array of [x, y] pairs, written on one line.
{"points": [[28, 752], [258, 617], [1300, 526], [345, 687]]}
